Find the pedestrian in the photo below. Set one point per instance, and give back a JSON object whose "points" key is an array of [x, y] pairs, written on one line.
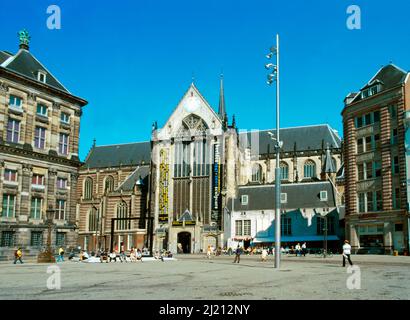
{"points": [[238, 253], [346, 253], [112, 256], [304, 249], [208, 252], [264, 255], [297, 249], [60, 256], [18, 254]]}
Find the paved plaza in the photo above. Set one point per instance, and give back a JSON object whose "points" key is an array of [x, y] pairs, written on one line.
{"points": [[195, 277]]}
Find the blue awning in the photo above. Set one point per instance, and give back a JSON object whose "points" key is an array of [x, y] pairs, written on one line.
{"points": [[295, 239]]}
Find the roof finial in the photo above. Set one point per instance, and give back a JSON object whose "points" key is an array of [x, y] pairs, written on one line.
{"points": [[193, 78], [94, 142], [24, 38]]}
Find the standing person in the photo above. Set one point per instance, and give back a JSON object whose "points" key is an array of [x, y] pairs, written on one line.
{"points": [[238, 253], [18, 254], [346, 253], [304, 249], [297, 249], [208, 252], [60, 254], [264, 255]]}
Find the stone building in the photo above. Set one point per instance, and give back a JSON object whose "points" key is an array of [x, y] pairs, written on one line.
{"points": [[375, 163], [113, 183], [39, 125]]}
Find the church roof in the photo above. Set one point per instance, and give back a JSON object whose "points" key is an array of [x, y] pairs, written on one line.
{"points": [[299, 196], [26, 65], [116, 155], [129, 183], [306, 138]]}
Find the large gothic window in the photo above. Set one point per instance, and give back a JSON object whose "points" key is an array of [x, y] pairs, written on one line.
{"points": [[201, 158], [284, 171], [88, 189], [309, 169], [109, 184], [256, 173], [93, 220], [122, 212]]}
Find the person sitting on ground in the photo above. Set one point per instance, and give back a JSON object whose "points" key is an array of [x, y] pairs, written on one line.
{"points": [[133, 257], [84, 255], [112, 256], [264, 255]]}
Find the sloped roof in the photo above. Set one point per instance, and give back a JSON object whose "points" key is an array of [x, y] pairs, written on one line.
{"points": [[119, 155], [4, 55], [388, 77], [25, 64], [299, 196], [129, 183], [306, 138]]}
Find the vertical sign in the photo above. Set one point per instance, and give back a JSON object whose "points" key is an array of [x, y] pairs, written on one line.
{"points": [[216, 184], [163, 186]]}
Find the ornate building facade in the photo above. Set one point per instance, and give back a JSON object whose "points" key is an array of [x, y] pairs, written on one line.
{"points": [[377, 211], [39, 125]]}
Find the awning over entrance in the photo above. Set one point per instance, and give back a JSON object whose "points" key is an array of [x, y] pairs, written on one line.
{"points": [[295, 239]]}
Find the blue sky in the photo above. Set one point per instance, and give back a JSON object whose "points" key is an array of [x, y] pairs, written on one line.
{"points": [[133, 60]]}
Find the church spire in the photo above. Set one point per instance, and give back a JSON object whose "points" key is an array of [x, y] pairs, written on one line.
{"points": [[221, 109]]}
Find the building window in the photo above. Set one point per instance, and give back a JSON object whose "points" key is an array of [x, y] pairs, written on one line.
{"points": [[15, 102], [38, 180], [60, 209], [368, 143], [360, 148], [61, 183], [93, 220], [256, 173], [323, 195], [360, 171], [309, 169], [320, 225], [40, 138], [362, 202], [286, 226], [36, 208], [65, 118], [238, 228], [109, 184], [323, 223], [376, 139], [244, 199], [60, 239], [283, 198], [376, 116], [246, 227], [379, 200], [394, 136], [41, 76], [88, 188], [367, 119], [41, 110], [396, 198], [13, 131], [395, 165], [377, 169], [369, 201], [36, 239], [284, 171], [10, 175], [369, 170], [9, 206], [122, 212], [63, 144], [393, 112], [359, 122], [7, 238]]}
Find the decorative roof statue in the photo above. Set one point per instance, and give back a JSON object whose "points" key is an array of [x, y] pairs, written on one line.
{"points": [[24, 38]]}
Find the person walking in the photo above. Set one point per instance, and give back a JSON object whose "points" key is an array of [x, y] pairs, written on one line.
{"points": [[297, 249], [346, 253], [208, 252], [18, 254], [304, 250], [238, 253]]}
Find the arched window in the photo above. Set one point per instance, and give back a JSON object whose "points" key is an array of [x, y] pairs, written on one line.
{"points": [[284, 171], [309, 169], [93, 220], [88, 189], [109, 184], [256, 173], [122, 212]]}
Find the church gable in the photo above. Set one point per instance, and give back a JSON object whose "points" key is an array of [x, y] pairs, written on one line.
{"points": [[193, 115]]}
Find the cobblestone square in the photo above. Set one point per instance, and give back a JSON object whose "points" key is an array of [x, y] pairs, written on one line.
{"points": [[195, 277]]}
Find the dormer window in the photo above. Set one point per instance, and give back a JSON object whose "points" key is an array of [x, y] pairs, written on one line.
{"points": [[244, 199], [371, 91], [41, 76], [323, 195]]}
